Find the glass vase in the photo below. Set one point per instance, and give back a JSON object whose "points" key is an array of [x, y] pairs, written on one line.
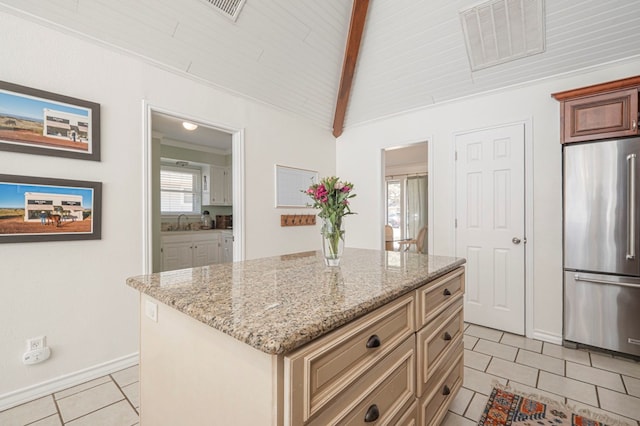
{"points": [[332, 241]]}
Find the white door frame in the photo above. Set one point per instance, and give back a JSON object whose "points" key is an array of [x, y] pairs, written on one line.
{"points": [[430, 179], [528, 212], [237, 161]]}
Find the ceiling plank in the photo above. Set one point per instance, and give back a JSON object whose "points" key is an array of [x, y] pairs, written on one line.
{"points": [[356, 28]]}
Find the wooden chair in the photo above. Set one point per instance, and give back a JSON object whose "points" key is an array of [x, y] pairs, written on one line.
{"points": [[418, 241], [388, 238]]}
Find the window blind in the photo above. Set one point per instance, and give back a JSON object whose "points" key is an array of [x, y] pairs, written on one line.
{"points": [[179, 190]]}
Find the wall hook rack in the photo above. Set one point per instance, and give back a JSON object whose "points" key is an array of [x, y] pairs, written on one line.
{"points": [[297, 220]]}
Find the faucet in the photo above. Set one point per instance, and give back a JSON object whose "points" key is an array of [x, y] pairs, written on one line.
{"points": [[179, 220]]}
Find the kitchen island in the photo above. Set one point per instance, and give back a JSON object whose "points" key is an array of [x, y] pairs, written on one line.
{"points": [[286, 340]]}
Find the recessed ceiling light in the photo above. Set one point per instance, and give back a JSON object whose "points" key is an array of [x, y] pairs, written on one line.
{"points": [[189, 126]]}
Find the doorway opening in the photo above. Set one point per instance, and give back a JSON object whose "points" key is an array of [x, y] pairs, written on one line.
{"points": [[193, 186], [406, 195]]}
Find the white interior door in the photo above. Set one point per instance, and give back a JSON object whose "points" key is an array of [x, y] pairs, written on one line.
{"points": [[490, 225]]}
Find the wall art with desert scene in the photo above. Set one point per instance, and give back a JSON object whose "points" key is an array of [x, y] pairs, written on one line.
{"points": [[38, 122], [44, 209]]}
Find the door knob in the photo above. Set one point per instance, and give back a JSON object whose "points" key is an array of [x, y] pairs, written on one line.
{"points": [[516, 240]]}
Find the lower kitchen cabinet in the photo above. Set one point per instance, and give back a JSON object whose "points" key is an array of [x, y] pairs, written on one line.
{"points": [[226, 247], [368, 369], [400, 364], [181, 251]]}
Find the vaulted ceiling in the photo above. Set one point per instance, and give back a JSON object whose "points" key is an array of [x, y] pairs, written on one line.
{"points": [[289, 53]]}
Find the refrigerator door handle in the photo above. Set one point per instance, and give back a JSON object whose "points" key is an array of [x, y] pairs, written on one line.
{"points": [[577, 277], [631, 213]]}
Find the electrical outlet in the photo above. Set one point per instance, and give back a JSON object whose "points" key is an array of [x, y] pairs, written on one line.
{"points": [[151, 310], [36, 343]]}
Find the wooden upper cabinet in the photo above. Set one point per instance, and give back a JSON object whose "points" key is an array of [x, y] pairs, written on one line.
{"points": [[603, 111]]}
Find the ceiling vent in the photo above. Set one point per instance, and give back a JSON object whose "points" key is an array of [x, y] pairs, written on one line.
{"points": [[500, 31], [229, 8]]}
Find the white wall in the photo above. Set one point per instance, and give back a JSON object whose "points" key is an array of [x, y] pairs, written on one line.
{"points": [[75, 292], [359, 159]]}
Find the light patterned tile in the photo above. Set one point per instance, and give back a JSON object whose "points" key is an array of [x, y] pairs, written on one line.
{"points": [[476, 360], [28, 412], [460, 403], [543, 362], [557, 351], [484, 333], [509, 370], [595, 376], [132, 392], [469, 341], [476, 407], [452, 419], [524, 390], [625, 405], [595, 413], [82, 387], [633, 386], [617, 365], [570, 388], [127, 376], [480, 382], [118, 414], [49, 421], [521, 342], [496, 349], [90, 400]]}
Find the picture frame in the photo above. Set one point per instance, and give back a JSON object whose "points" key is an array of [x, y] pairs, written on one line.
{"points": [[290, 182], [34, 121], [35, 209]]}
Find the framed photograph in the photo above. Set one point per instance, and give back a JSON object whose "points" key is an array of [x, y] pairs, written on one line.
{"points": [[43, 209], [290, 182], [38, 122]]}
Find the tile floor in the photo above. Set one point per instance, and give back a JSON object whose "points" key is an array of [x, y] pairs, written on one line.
{"points": [[111, 400], [592, 380]]}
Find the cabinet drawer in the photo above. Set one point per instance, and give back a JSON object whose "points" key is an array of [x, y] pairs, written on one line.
{"points": [[434, 298], [408, 418], [381, 396], [436, 342], [319, 371], [433, 407]]}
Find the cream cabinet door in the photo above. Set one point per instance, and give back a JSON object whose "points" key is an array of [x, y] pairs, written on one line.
{"points": [[205, 252], [176, 255]]}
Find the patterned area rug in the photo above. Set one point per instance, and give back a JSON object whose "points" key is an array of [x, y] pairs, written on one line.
{"points": [[508, 408]]}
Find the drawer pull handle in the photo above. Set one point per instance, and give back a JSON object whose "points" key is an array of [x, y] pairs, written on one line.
{"points": [[446, 292], [446, 336], [446, 390], [372, 414], [373, 342]]}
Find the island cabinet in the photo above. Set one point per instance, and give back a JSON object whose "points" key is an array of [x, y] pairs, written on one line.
{"points": [[397, 364], [602, 111], [402, 361]]}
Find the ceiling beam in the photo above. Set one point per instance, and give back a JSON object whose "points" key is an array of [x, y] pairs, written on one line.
{"points": [[356, 28]]}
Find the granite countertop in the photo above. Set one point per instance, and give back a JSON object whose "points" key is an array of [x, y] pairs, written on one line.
{"points": [[277, 304]]}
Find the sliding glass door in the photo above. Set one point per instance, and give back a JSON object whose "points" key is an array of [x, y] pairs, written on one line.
{"points": [[407, 206]]}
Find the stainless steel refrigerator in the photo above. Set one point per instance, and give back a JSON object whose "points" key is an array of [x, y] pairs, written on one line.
{"points": [[602, 244]]}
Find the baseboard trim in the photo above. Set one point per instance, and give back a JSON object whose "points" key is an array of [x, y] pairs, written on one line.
{"points": [[39, 390], [547, 337]]}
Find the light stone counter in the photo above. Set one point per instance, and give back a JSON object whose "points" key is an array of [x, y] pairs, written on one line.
{"points": [[277, 304]]}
